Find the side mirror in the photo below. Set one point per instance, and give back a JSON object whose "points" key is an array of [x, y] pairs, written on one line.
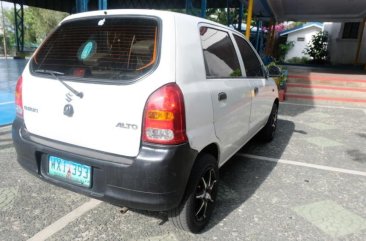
{"points": [[274, 71]]}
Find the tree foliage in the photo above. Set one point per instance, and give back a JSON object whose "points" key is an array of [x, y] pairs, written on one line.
{"points": [[38, 23], [220, 15], [217, 14], [294, 25], [283, 50], [317, 48]]}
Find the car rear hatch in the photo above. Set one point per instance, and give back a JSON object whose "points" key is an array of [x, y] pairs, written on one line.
{"points": [[86, 85]]}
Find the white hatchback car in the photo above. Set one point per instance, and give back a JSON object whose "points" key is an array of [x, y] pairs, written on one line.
{"points": [[140, 108]]}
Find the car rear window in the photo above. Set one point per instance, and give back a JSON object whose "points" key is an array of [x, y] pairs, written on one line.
{"points": [[112, 49]]}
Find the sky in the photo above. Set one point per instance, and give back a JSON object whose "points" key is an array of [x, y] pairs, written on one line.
{"points": [[7, 4]]}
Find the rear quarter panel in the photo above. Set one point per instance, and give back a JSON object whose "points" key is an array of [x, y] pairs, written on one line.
{"points": [[191, 77]]}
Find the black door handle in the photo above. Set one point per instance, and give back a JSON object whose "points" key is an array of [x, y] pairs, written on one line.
{"points": [[222, 96], [256, 90]]}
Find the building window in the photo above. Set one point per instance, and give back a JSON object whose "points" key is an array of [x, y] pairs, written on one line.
{"points": [[350, 30], [300, 39]]}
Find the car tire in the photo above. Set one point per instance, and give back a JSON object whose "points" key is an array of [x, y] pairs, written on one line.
{"points": [[268, 131], [194, 212]]}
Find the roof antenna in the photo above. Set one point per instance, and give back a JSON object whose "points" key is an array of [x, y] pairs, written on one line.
{"points": [[105, 12]]}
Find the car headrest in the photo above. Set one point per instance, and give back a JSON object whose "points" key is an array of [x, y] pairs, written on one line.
{"points": [[143, 47]]}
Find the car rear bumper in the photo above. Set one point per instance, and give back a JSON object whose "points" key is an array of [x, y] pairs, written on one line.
{"points": [[154, 180]]}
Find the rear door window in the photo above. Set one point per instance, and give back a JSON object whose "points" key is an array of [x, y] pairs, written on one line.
{"points": [[112, 49], [253, 67], [219, 54]]}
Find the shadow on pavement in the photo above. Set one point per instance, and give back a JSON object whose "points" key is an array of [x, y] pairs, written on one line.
{"points": [[241, 177], [357, 155], [293, 110]]}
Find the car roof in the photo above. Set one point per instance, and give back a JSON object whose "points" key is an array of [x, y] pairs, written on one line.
{"points": [[146, 12]]}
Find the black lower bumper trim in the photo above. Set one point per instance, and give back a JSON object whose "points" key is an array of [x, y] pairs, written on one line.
{"points": [[153, 180]]}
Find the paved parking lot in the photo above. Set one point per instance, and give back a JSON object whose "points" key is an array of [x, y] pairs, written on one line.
{"points": [[308, 184]]}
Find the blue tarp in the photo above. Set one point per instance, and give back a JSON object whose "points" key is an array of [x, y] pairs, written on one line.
{"points": [[10, 70]]}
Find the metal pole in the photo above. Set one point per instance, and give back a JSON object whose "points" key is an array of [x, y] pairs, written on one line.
{"points": [[102, 4], [228, 12], [189, 6], [203, 8], [19, 26], [16, 27], [272, 39], [4, 31], [249, 18], [357, 58], [261, 49], [269, 37], [22, 27], [257, 36], [241, 9], [82, 5]]}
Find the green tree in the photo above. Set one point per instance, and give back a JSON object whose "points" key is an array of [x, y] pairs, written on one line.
{"points": [[317, 48], [217, 14], [38, 23], [220, 15], [9, 26], [295, 25], [283, 50]]}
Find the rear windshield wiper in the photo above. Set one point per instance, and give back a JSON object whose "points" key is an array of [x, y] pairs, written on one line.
{"points": [[55, 75]]}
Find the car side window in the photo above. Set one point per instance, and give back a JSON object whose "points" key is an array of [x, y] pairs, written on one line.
{"points": [[251, 62], [219, 54]]}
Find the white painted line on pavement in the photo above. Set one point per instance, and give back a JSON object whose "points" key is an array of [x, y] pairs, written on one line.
{"points": [[295, 163], [65, 220], [6, 103], [324, 106]]}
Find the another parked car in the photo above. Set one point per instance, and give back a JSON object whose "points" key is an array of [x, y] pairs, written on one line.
{"points": [[140, 108]]}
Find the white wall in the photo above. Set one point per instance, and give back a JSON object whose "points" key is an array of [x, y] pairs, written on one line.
{"points": [[343, 51], [299, 46]]}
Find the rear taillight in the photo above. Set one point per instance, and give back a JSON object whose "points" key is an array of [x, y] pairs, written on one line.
{"points": [[164, 117], [19, 98]]}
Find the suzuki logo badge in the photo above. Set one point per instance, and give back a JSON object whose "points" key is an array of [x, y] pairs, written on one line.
{"points": [[68, 110]]}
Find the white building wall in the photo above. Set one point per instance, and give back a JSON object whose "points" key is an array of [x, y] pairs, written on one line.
{"points": [[299, 46], [343, 51]]}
